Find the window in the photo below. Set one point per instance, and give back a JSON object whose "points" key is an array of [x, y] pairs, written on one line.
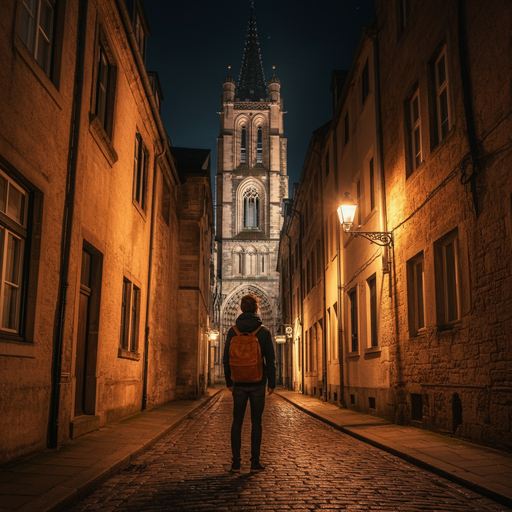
{"points": [[447, 279], [166, 202], [354, 336], [251, 208], [416, 407], [140, 32], [259, 147], [13, 235], [243, 145], [130, 312], [105, 90], [347, 128], [415, 120], [415, 290], [37, 21], [240, 263], [442, 96], [140, 172], [327, 163], [372, 185], [365, 82], [372, 290], [334, 330], [318, 259], [263, 264], [358, 200]]}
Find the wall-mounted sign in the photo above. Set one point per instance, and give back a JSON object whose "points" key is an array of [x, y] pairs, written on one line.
{"points": [[280, 338]]}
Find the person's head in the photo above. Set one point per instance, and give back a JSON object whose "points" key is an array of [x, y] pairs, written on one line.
{"points": [[249, 303]]}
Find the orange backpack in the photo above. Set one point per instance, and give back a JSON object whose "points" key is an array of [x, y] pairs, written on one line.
{"points": [[245, 357]]}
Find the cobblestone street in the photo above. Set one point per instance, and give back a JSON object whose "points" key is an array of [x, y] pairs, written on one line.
{"points": [[310, 466]]}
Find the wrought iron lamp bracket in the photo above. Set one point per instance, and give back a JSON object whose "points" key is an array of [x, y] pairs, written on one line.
{"points": [[384, 238]]}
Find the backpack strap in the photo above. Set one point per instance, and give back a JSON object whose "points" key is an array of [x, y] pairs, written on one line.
{"points": [[254, 333], [237, 331]]}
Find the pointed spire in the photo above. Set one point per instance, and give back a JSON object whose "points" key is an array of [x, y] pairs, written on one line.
{"points": [[251, 83]]}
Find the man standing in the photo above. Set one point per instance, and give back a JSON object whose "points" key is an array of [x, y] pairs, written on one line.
{"points": [[249, 322]]}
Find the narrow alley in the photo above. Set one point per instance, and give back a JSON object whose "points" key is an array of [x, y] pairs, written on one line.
{"points": [[310, 466]]}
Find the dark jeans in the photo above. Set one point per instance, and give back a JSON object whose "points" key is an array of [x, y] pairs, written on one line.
{"points": [[256, 395]]}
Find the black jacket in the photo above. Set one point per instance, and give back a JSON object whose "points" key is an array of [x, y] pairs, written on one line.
{"points": [[249, 322]]}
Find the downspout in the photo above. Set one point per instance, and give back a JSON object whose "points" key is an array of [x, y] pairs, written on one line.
{"points": [[468, 106], [301, 235], [338, 276], [67, 228], [290, 305], [324, 298], [148, 299], [383, 219]]}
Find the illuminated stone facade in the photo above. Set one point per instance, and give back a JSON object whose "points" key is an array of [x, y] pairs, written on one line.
{"points": [[98, 241], [420, 139]]}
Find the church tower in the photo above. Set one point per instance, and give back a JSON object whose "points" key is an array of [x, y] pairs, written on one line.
{"points": [[251, 183]]}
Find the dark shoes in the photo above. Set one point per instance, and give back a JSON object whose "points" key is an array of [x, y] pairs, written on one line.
{"points": [[257, 466], [235, 467]]}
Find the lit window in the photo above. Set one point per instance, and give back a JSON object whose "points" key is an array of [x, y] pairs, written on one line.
{"points": [[37, 30], [415, 291], [442, 96], [130, 311], [415, 130], [140, 173]]}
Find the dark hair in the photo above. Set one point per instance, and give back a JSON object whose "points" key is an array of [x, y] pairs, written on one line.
{"points": [[249, 303]]}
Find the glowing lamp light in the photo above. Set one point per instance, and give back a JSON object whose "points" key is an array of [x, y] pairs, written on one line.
{"points": [[347, 212]]}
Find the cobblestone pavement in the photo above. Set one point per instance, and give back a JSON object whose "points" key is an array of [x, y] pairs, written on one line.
{"points": [[310, 466]]}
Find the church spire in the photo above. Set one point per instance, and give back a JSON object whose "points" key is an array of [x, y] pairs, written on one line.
{"points": [[251, 83]]}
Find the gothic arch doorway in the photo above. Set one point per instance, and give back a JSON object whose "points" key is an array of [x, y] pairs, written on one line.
{"points": [[231, 308]]}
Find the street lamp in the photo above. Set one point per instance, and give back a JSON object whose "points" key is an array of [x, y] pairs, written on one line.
{"points": [[346, 214]]}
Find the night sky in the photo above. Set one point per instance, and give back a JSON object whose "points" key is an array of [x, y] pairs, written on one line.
{"points": [[192, 43]]}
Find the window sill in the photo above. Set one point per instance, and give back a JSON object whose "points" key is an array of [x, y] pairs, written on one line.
{"points": [[102, 139], [449, 327], [16, 348], [353, 355], [373, 350], [126, 354]]}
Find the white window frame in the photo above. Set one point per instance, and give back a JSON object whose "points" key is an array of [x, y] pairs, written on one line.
{"points": [[442, 96], [34, 35]]}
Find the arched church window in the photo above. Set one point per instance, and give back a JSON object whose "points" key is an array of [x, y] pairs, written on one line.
{"points": [[243, 146], [251, 208], [259, 147]]}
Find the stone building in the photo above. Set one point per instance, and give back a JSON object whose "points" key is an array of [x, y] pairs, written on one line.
{"points": [[420, 140], [251, 183], [96, 234]]}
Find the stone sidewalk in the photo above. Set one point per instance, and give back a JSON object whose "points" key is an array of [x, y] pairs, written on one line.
{"points": [[481, 469], [54, 480]]}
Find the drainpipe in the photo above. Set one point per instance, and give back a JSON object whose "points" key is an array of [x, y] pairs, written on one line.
{"points": [[67, 228], [324, 298], [301, 235], [290, 305], [386, 251], [338, 275], [150, 267]]}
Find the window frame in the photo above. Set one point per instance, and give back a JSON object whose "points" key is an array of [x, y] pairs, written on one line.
{"points": [[441, 89], [373, 316], [416, 297], [129, 328], [415, 128], [448, 300], [353, 321], [34, 32], [140, 173]]}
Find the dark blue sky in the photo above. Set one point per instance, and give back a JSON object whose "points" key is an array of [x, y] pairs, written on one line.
{"points": [[193, 42]]}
